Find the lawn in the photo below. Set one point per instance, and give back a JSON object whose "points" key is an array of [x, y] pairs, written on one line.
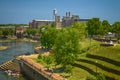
{"points": [[103, 56]]}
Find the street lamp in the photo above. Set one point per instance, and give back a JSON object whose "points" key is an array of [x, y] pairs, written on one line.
{"points": [[96, 69], [96, 66]]}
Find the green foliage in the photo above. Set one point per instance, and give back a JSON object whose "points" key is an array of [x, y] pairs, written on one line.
{"points": [[68, 68], [66, 46], [0, 32], [31, 31], [40, 56], [48, 37], [80, 29], [6, 32], [49, 59], [100, 77], [93, 26], [53, 25], [116, 27], [13, 24], [106, 26], [90, 78]]}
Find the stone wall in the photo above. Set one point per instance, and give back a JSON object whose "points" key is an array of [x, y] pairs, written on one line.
{"points": [[30, 72], [34, 71]]}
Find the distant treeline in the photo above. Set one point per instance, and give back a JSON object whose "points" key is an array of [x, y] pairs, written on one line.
{"points": [[13, 24]]}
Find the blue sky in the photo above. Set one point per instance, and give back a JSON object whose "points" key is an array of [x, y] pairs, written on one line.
{"points": [[23, 11]]}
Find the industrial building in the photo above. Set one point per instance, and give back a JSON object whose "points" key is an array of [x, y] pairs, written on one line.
{"points": [[65, 22]]}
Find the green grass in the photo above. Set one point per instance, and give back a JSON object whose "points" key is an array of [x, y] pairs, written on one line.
{"points": [[112, 52], [78, 74], [99, 69], [93, 47]]}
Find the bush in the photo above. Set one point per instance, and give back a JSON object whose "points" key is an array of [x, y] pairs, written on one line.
{"points": [[100, 77], [40, 56], [68, 69], [90, 78]]}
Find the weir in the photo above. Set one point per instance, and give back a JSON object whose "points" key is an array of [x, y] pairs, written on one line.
{"points": [[29, 68], [10, 65]]}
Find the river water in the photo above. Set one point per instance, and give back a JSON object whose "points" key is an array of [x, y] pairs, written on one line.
{"points": [[16, 47]]}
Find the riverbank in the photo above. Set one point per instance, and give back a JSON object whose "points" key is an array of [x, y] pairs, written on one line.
{"points": [[29, 40], [15, 47], [3, 47], [22, 39], [35, 70]]}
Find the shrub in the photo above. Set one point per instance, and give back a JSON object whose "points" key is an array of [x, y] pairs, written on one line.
{"points": [[68, 69]]}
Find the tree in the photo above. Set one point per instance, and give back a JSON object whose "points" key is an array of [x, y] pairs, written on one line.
{"points": [[106, 26], [10, 32], [48, 37], [53, 25], [5, 32], [31, 31], [81, 29], [93, 26], [0, 32], [66, 47], [116, 29]]}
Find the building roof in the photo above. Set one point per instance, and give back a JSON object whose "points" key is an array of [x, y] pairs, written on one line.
{"points": [[43, 20]]}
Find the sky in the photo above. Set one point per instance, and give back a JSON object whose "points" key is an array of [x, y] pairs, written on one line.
{"points": [[24, 11]]}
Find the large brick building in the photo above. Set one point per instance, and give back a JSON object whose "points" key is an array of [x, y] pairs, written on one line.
{"points": [[38, 23], [66, 21]]}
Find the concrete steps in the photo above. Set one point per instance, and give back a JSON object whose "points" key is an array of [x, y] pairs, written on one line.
{"points": [[10, 65]]}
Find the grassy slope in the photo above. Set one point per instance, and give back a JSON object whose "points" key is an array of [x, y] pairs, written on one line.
{"points": [[92, 47], [108, 52]]}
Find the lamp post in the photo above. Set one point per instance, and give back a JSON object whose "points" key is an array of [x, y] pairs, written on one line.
{"points": [[96, 68]]}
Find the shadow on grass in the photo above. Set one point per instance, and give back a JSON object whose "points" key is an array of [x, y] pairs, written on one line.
{"points": [[117, 63], [91, 71], [101, 66]]}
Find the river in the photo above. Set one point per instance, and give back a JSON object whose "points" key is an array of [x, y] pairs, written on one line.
{"points": [[16, 47]]}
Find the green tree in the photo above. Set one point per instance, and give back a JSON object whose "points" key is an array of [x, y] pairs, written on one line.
{"points": [[10, 32], [66, 47], [106, 26], [0, 32], [53, 25], [31, 31], [93, 26], [5, 32], [81, 29], [48, 37], [116, 29]]}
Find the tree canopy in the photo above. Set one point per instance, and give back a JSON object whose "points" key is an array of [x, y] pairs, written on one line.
{"points": [[96, 27], [116, 27], [48, 37], [66, 46], [93, 26]]}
